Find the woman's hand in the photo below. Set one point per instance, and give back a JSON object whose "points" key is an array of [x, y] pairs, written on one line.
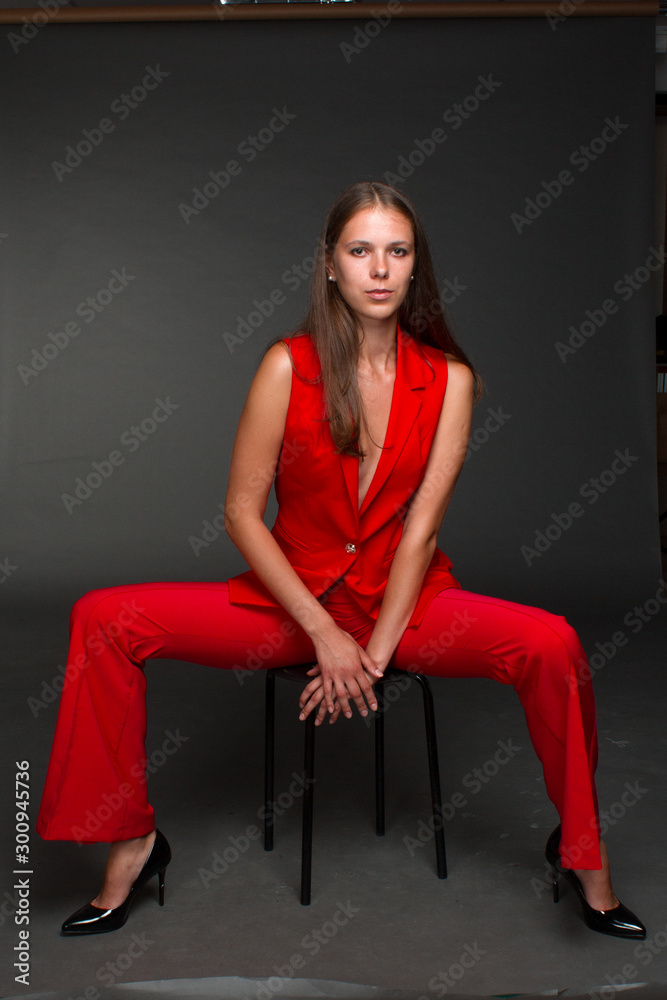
{"points": [[316, 702], [317, 698], [344, 673]]}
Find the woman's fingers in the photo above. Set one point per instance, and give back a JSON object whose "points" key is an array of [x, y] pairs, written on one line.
{"points": [[322, 714], [334, 715], [343, 676], [329, 694], [358, 690], [317, 703], [312, 698], [309, 690], [360, 687]]}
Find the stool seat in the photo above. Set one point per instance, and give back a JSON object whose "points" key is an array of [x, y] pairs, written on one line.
{"points": [[299, 672]]}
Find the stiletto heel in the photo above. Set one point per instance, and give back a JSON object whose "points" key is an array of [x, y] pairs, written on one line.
{"points": [[619, 921], [94, 920]]}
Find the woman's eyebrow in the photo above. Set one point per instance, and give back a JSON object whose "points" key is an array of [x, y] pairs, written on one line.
{"points": [[367, 243]]}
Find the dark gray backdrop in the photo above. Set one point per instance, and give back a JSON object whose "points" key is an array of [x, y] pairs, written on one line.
{"points": [[357, 110], [544, 429]]}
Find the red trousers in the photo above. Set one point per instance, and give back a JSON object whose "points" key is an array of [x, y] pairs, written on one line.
{"points": [[96, 784]]}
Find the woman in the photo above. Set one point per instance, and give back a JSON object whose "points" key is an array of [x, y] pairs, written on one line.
{"points": [[363, 419]]}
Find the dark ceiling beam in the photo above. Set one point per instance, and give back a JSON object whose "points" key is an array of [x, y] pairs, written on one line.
{"points": [[214, 11]]}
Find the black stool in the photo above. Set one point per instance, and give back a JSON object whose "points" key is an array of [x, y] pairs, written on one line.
{"points": [[299, 673]]}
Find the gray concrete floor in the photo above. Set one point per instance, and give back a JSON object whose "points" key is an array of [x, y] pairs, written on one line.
{"points": [[379, 916]]}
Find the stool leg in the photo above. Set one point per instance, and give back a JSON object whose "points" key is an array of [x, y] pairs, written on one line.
{"points": [[307, 832], [434, 774], [379, 760], [269, 744]]}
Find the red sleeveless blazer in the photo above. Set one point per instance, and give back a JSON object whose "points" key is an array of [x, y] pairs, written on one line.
{"points": [[319, 526]]}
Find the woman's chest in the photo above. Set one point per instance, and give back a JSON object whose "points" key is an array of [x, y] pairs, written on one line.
{"points": [[376, 401]]}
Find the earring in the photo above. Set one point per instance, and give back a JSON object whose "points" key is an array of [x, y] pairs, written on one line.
{"points": [[412, 277], [330, 278]]}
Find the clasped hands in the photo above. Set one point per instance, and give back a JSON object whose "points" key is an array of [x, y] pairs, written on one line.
{"points": [[344, 673]]}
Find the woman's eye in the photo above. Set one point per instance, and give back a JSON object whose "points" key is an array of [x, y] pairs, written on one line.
{"points": [[400, 251], [358, 251]]}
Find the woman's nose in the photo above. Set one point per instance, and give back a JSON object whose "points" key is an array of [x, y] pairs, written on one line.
{"points": [[380, 268]]}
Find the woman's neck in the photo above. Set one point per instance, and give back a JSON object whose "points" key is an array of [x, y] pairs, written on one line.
{"points": [[377, 348]]}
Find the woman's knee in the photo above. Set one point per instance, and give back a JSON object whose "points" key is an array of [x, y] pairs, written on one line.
{"points": [[561, 659], [107, 612], [84, 606], [568, 636], [546, 649], [561, 626]]}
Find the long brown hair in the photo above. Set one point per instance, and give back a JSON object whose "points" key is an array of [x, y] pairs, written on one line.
{"points": [[336, 331]]}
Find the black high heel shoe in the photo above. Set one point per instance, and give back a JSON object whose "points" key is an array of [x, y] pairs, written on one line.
{"points": [[94, 920], [618, 921]]}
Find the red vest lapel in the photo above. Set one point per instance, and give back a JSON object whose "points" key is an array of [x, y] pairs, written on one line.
{"points": [[412, 374]]}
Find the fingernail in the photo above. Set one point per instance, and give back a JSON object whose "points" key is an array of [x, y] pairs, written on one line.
{"points": [[364, 713], [348, 715], [302, 716], [374, 706]]}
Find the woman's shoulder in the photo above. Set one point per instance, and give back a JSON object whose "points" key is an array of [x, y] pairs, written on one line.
{"points": [[460, 380], [458, 370], [448, 370], [302, 354], [434, 357], [274, 373], [298, 341], [442, 359]]}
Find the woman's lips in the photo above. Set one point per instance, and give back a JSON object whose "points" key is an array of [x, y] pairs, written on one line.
{"points": [[379, 293]]}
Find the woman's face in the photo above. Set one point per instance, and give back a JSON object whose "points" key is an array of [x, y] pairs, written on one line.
{"points": [[373, 262]]}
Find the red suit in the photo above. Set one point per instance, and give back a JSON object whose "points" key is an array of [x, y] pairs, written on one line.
{"points": [[320, 526], [95, 788]]}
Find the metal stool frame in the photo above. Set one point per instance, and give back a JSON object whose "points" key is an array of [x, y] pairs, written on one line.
{"points": [[298, 673]]}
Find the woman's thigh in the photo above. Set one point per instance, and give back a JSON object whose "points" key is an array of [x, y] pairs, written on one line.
{"points": [[464, 634], [189, 621]]}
